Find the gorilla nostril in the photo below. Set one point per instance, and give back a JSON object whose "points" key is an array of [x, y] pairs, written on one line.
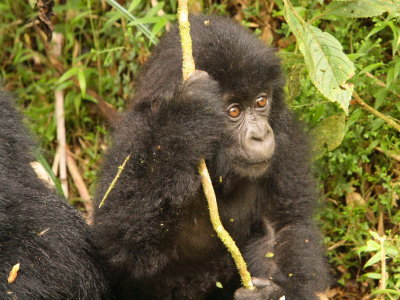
{"points": [[257, 138], [258, 135]]}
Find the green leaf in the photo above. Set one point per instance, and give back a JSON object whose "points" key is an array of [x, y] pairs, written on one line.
{"points": [[328, 135], [64, 85], [328, 66], [145, 20], [396, 36], [219, 285], [373, 275], [82, 81], [32, 3], [375, 235], [155, 9], [386, 291], [360, 8], [159, 26], [133, 5], [77, 103], [397, 69], [90, 98], [57, 184], [373, 260], [131, 17], [371, 67], [391, 251], [378, 27], [67, 75], [372, 246], [151, 20]]}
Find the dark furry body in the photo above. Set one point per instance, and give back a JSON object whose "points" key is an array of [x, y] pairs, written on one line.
{"points": [[37, 229], [154, 228]]}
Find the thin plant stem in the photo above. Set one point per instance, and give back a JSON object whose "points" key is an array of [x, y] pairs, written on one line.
{"points": [[120, 169], [188, 67], [372, 110]]}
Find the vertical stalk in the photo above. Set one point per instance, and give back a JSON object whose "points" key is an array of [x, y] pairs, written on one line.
{"points": [[188, 67]]}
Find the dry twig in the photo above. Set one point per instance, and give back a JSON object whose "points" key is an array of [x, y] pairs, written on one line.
{"points": [[44, 16], [61, 138], [80, 185], [382, 283], [372, 110], [56, 162]]}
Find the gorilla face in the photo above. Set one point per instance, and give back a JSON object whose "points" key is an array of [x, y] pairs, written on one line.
{"points": [[253, 141]]}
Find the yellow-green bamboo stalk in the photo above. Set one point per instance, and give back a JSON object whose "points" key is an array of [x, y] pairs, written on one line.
{"points": [[120, 169], [219, 228], [188, 67]]}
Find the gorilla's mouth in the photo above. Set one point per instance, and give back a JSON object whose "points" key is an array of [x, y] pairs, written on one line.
{"points": [[251, 163], [262, 162], [251, 169]]}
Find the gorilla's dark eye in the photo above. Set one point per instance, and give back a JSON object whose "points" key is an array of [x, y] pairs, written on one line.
{"points": [[262, 101], [234, 111]]}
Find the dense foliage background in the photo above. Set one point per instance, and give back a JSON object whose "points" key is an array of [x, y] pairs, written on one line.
{"points": [[357, 154]]}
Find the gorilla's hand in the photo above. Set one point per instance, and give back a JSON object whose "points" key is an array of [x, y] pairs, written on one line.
{"points": [[193, 120], [202, 93], [265, 290]]}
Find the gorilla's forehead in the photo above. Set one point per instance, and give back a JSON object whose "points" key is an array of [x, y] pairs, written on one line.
{"points": [[232, 55], [242, 82], [238, 60], [244, 94]]}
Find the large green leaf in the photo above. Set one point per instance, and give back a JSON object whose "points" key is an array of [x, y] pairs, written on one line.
{"points": [[362, 8], [328, 66], [328, 135]]}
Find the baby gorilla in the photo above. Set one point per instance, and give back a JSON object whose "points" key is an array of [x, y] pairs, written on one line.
{"points": [[38, 230], [154, 228]]}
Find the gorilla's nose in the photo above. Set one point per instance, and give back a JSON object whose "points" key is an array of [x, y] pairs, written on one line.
{"points": [[257, 134], [259, 143]]}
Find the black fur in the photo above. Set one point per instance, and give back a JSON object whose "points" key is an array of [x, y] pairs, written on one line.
{"points": [[37, 229], [154, 228]]}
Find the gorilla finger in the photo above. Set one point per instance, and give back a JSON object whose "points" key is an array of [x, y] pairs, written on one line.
{"points": [[261, 283]]}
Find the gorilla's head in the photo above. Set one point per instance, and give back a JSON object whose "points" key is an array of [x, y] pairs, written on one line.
{"points": [[251, 83], [250, 80]]}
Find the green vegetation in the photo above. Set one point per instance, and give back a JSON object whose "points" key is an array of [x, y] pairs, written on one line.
{"points": [[330, 49]]}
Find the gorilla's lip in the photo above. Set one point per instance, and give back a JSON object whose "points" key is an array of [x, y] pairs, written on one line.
{"points": [[266, 161], [245, 159], [251, 169], [254, 163]]}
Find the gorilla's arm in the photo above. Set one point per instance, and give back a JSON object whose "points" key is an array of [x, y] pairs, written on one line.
{"points": [[291, 258], [289, 251], [287, 262], [166, 144], [302, 267]]}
